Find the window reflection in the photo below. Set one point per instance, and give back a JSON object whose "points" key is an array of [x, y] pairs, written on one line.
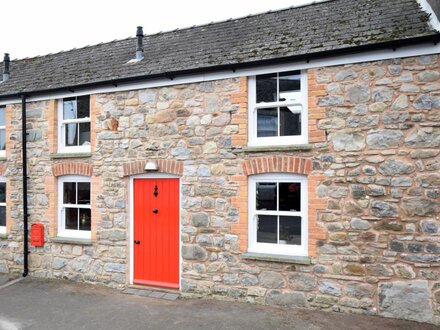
{"points": [[266, 196], [267, 229]]}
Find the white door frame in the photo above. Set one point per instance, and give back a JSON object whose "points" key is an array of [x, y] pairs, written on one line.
{"points": [[131, 221]]}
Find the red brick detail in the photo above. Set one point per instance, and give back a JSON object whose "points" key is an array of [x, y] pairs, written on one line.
{"points": [[315, 112], [315, 204], [9, 143], [165, 166], [273, 164], [51, 113], [240, 118], [240, 202], [50, 188], [72, 168]]}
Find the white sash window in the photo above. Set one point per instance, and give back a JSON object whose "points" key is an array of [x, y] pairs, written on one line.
{"points": [[278, 109], [74, 124], [278, 214]]}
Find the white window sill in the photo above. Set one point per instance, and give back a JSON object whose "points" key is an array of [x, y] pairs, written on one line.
{"points": [[74, 150], [64, 155], [71, 240], [278, 148], [301, 260]]}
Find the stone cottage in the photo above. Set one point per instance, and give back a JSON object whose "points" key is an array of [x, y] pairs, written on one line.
{"points": [[288, 158]]}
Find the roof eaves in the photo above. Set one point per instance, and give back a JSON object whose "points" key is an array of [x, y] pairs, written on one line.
{"points": [[392, 44]]}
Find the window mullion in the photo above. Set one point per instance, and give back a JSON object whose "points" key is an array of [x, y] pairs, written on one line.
{"points": [[278, 229], [278, 87], [278, 108], [77, 135], [76, 203], [278, 211]]}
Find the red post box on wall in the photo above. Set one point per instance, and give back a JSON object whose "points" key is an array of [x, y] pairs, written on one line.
{"points": [[37, 234]]}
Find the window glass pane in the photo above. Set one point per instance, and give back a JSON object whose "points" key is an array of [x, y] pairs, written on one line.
{"points": [[3, 216], [289, 82], [2, 192], [290, 123], [83, 192], [266, 196], [71, 134], [290, 230], [71, 218], [267, 229], [69, 189], [2, 139], [84, 134], [84, 219], [69, 108], [2, 116], [267, 122], [290, 196], [266, 88], [83, 106]]}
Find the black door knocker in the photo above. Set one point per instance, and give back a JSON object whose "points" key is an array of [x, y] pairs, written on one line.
{"points": [[156, 191]]}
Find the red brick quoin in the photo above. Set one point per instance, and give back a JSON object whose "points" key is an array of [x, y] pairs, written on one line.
{"points": [[2, 169]]}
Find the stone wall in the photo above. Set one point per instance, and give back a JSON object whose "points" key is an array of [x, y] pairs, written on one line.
{"points": [[374, 233]]}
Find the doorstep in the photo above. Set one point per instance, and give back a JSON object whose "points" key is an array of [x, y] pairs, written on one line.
{"points": [[152, 292]]}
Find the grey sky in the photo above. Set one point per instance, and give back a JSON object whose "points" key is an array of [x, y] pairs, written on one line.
{"points": [[30, 28]]}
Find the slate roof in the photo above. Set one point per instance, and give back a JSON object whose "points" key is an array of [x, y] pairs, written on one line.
{"points": [[329, 26]]}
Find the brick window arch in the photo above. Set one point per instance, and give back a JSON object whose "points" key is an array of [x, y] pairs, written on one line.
{"points": [[285, 164], [72, 168]]}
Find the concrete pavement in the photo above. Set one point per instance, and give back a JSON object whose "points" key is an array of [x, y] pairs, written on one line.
{"points": [[51, 304]]}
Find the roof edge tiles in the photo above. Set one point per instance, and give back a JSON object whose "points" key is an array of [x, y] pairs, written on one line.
{"points": [[305, 32]]}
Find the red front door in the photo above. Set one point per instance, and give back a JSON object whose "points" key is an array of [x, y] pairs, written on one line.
{"points": [[156, 232]]}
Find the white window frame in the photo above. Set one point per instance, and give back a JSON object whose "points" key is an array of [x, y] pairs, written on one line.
{"points": [[269, 248], [62, 231], [301, 100], [3, 228], [62, 148], [3, 152]]}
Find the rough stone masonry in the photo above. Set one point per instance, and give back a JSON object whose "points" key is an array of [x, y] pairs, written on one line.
{"points": [[375, 134]]}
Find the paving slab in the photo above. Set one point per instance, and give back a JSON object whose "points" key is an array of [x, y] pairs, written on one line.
{"points": [[3, 280], [55, 304]]}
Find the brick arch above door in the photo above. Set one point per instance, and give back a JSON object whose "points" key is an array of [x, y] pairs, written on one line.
{"points": [[284, 164], [170, 166]]}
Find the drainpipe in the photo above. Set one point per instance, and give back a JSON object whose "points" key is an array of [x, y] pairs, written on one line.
{"points": [[25, 204]]}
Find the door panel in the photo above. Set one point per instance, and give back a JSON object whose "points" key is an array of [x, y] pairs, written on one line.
{"points": [[156, 233]]}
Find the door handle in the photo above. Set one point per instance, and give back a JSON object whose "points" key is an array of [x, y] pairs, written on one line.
{"points": [[155, 211], [137, 242]]}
